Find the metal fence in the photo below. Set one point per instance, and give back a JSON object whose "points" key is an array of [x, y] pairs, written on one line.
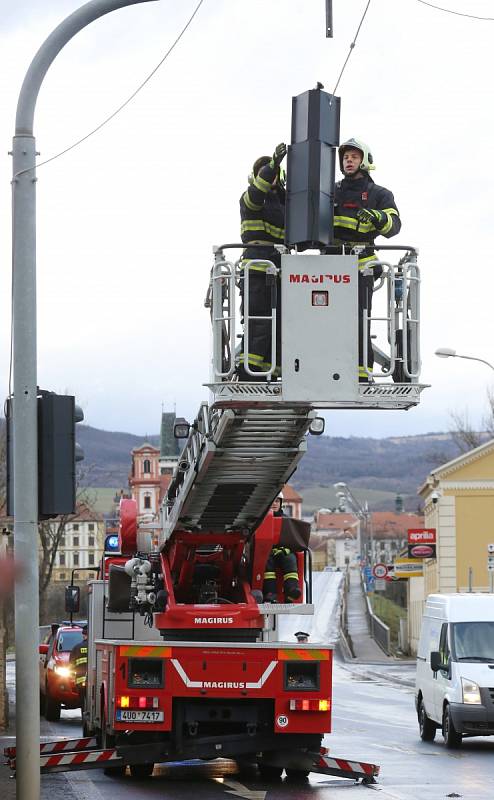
{"points": [[378, 629]]}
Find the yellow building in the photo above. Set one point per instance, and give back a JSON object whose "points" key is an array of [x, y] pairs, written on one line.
{"points": [[459, 503]]}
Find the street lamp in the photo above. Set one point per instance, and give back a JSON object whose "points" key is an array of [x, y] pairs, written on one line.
{"points": [[362, 512], [447, 352], [25, 438]]}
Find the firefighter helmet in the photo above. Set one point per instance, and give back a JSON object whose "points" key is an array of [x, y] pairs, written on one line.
{"points": [[367, 160]]}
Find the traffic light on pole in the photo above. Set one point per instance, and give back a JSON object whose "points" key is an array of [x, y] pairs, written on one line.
{"points": [[58, 453]]}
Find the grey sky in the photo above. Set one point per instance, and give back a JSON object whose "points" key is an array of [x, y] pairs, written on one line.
{"points": [[126, 221]]}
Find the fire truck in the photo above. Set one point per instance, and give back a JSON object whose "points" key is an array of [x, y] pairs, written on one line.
{"points": [[185, 658]]}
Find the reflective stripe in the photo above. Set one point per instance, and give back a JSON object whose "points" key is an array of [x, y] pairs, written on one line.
{"points": [[352, 224], [145, 650], [261, 266], [262, 225], [303, 655], [269, 576], [363, 372], [248, 202], [290, 576], [362, 262], [261, 184]]}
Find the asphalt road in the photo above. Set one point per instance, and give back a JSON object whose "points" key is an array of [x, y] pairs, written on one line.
{"points": [[373, 721]]}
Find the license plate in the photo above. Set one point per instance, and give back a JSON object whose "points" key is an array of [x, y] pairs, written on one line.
{"points": [[126, 715]]}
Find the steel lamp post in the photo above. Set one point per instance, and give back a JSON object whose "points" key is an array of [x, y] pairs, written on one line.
{"points": [[25, 432]]}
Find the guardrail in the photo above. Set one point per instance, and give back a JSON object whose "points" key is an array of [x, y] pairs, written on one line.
{"points": [[344, 632], [379, 631]]}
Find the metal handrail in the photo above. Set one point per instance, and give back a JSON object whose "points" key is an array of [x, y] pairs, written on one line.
{"points": [[223, 273]]}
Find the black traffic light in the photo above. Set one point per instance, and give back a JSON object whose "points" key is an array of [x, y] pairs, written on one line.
{"points": [[58, 453]]}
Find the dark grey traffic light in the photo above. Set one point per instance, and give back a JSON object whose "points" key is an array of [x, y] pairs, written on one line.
{"points": [[58, 453]]}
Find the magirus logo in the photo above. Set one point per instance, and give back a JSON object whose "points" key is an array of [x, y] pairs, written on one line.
{"points": [[213, 620]]}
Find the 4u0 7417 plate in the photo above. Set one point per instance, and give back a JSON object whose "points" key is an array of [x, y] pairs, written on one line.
{"points": [[129, 715]]}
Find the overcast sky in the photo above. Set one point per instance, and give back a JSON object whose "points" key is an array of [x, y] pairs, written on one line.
{"points": [[126, 220]]}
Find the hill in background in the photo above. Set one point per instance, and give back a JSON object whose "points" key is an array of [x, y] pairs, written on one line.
{"points": [[375, 469]]}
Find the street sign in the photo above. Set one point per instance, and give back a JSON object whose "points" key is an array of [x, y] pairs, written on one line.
{"points": [[380, 585], [421, 551], [408, 568], [379, 570], [421, 536]]}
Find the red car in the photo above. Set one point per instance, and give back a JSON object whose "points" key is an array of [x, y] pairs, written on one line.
{"points": [[56, 681]]}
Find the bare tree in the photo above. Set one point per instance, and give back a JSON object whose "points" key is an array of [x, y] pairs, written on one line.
{"points": [[464, 435], [51, 533]]}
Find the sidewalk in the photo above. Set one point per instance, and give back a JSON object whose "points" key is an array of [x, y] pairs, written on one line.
{"points": [[370, 661]]}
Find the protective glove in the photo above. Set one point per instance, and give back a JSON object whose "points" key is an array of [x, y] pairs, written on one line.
{"points": [[278, 155], [372, 216]]}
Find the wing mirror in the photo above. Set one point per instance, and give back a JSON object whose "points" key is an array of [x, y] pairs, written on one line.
{"points": [[436, 661]]}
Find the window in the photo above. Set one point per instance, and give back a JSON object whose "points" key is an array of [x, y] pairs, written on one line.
{"points": [[75, 526], [61, 559], [75, 541], [90, 541], [444, 646], [62, 576], [76, 559], [147, 466], [62, 541], [147, 501], [91, 559], [91, 527]]}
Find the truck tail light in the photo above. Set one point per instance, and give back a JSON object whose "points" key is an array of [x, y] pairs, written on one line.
{"points": [[309, 705], [141, 701]]}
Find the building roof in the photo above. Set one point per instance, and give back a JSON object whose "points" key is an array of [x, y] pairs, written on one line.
{"points": [[456, 463], [290, 494], [389, 525], [339, 520], [146, 448]]}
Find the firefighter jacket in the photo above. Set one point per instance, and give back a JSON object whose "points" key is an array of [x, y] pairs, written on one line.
{"points": [[78, 661], [352, 195], [262, 214]]}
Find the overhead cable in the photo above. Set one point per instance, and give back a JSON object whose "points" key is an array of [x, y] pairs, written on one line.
{"points": [[129, 99], [351, 47], [456, 13]]}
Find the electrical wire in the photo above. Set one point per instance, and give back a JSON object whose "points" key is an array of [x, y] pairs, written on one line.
{"points": [[129, 99], [351, 46], [456, 13], [75, 144]]}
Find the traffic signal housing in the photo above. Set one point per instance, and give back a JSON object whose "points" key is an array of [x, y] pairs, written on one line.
{"points": [[58, 453]]}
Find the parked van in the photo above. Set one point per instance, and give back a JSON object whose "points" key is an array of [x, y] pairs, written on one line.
{"points": [[455, 667]]}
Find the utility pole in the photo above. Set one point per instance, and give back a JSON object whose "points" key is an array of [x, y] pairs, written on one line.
{"points": [[26, 391]]}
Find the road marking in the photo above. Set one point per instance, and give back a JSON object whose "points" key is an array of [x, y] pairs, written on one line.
{"points": [[239, 790], [84, 788]]}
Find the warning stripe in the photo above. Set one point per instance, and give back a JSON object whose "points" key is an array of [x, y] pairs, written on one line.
{"points": [[61, 746], [303, 655], [89, 757], [146, 650], [348, 766]]}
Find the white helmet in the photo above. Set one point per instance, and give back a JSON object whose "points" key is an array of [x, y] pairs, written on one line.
{"points": [[367, 160]]}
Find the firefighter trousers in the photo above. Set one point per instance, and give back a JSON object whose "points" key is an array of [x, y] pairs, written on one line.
{"points": [[264, 297], [286, 561]]}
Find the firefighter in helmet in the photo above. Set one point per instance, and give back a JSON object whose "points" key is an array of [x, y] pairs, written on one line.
{"points": [[262, 218], [363, 210], [283, 559]]}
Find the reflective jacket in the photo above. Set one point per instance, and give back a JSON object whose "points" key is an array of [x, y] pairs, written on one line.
{"points": [[350, 196], [262, 213], [78, 661]]}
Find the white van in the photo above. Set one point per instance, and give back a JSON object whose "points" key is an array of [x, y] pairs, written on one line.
{"points": [[455, 667]]}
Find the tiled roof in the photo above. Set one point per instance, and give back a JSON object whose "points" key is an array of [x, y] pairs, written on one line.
{"points": [[290, 494]]}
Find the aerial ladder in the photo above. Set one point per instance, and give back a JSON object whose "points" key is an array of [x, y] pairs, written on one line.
{"points": [[180, 635]]}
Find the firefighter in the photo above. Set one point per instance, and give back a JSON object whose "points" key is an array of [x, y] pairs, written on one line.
{"points": [[283, 559], [363, 210], [78, 661], [262, 217]]}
